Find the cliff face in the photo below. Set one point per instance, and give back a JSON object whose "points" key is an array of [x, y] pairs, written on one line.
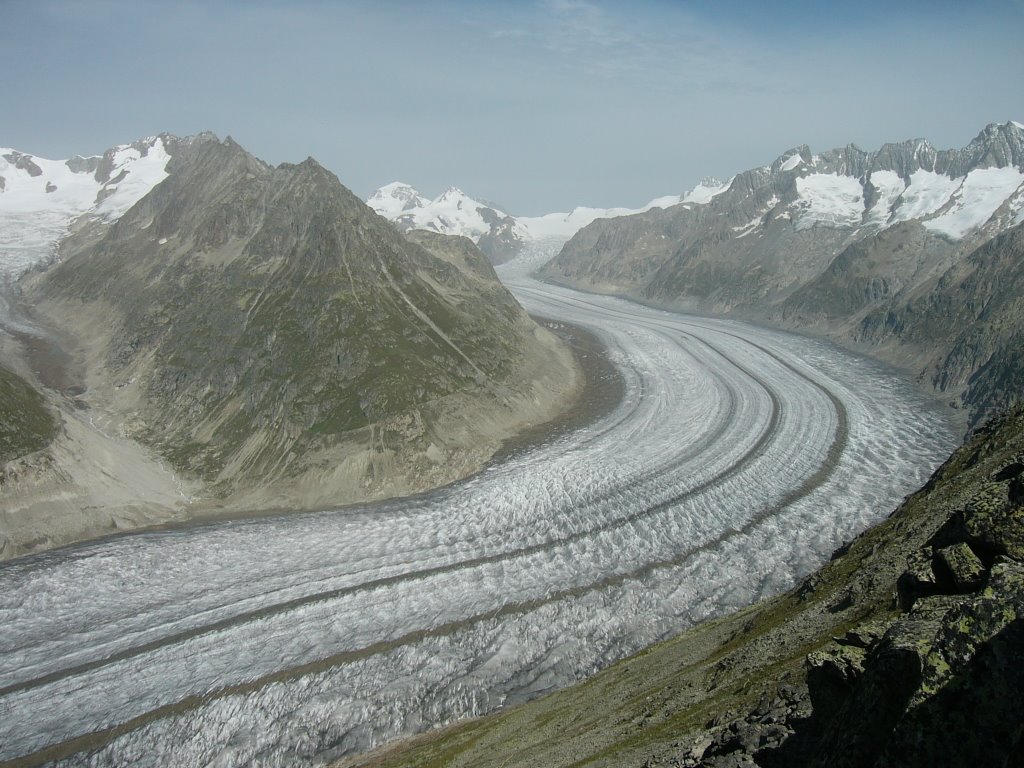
{"points": [[263, 329], [882, 250], [905, 650]]}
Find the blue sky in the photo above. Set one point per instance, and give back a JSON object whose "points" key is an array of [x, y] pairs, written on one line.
{"points": [[538, 106]]}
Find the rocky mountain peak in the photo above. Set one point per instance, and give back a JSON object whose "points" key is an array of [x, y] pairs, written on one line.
{"points": [[999, 145], [313, 327], [792, 159]]}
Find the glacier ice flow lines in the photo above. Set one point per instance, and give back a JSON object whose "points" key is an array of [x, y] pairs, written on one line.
{"points": [[738, 459]]}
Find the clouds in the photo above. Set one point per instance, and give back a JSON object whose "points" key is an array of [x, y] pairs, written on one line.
{"points": [[539, 105]]}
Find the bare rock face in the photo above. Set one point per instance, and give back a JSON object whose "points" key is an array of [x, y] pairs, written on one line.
{"points": [[260, 326]]}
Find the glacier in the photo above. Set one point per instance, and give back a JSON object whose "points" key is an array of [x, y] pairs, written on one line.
{"points": [[738, 459]]}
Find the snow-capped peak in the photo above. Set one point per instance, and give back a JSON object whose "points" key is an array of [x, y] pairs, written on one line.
{"points": [[708, 188], [396, 198], [39, 198], [452, 213]]}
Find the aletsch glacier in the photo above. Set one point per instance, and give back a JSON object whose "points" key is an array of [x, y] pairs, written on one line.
{"points": [[738, 460]]}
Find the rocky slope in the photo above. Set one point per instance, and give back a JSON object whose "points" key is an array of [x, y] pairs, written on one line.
{"points": [[265, 332], [905, 650], [849, 243]]}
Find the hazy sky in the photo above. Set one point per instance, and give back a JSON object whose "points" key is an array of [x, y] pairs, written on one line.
{"points": [[538, 106]]}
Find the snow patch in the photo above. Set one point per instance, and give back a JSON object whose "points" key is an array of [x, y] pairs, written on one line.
{"points": [[792, 162], [829, 200], [927, 193], [36, 211], [704, 192], [980, 195]]}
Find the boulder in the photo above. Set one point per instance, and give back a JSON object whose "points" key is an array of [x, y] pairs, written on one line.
{"points": [[961, 566]]}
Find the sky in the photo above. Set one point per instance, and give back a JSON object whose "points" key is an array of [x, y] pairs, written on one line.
{"points": [[536, 106]]}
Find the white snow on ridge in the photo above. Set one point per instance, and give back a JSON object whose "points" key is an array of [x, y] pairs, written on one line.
{"points": [[829, 200], [36, 211], [704, 192], [889, 187], [792, 162], [393, 199], [980, 195], [927, 193], [456, 213], [453, 213], [568, 224]]}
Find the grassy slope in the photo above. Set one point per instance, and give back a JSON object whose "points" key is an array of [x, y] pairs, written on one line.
{"points": [[25, 423]]}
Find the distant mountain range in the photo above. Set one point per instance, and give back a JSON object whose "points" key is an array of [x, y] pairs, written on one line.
{"points": [[909, 252], [500, 235]]}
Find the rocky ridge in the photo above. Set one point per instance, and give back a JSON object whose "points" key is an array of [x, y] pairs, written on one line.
{"points": [[851, 244], [905, 650]]}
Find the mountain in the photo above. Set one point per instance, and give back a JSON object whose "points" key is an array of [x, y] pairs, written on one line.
{"points": [[270, 337], [499, 235], [907, 649], [847, 243]]}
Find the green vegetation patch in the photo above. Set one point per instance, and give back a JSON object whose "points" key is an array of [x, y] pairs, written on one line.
{"points": [[26, 425]]}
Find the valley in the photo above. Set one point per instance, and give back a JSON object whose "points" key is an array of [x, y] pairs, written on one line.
{"points": [[736, 461]]}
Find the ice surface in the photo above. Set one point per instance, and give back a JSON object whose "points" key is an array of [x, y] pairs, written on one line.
{"points": [[889, 186], [979, 196], [830, 200], [33, 220], [312, 635], [928, 192]]}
